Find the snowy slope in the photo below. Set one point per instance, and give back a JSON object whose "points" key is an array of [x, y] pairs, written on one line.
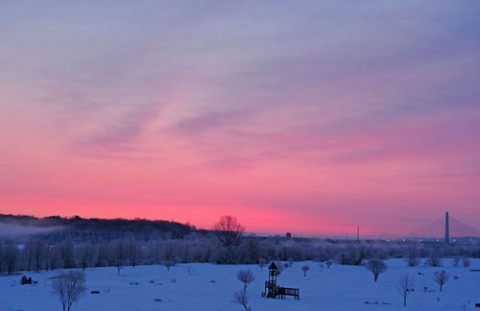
{"points": [[211, 287]]}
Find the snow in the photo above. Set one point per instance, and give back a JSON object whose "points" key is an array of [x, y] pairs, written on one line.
{"points": [[211, 287]]}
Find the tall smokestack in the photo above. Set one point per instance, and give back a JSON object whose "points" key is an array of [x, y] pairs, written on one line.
{"points": [[447, 229]]}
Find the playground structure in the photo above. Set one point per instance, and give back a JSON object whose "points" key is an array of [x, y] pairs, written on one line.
{"points": [[273, 290]]}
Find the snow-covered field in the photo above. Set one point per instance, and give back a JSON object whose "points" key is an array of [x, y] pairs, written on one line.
{"points": [[211, 287]]}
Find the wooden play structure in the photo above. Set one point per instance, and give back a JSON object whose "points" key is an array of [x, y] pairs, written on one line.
{"points": [[273, 290]]}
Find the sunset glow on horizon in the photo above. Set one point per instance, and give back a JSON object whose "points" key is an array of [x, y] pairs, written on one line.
{"points": [[311, 118]]}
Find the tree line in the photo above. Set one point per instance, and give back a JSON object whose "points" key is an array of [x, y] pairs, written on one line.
{"points": [[37, 254], [226, 243]]}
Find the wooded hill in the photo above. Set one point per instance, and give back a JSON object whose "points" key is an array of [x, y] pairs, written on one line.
{"points": [[95, 228]]}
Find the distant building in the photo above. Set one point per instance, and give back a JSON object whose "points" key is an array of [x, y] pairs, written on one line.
{"points": [[288, 235]]}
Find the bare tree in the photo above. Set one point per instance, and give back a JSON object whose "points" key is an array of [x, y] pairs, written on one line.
{"points": [[241, 298], [119, 254], [133, 250], [351, 255], [290, 262], [53, 257], [434, 259], [329, 263], [66, 254], [10, 254], [250, 249], [69, 287], [35, 250], [441, 277], [246, 277], [168, 255], [305, 270], [262, 262], [230, 233], [168, 264], [405, 287], [104, 257], [85, 254], [376, 266], [412, 257], [455, 261]]}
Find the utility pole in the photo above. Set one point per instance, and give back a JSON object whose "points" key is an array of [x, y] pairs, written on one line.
{"points": [[447, 229]]}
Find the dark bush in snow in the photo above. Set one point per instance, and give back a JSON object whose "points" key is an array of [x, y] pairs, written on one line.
{"points": [[376, 266]]}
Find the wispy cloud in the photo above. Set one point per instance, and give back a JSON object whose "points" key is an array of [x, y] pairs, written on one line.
{"points": [[253, 97]]}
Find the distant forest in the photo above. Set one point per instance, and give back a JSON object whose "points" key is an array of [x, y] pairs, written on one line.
{"points": [[78, 228], [28, 243]]}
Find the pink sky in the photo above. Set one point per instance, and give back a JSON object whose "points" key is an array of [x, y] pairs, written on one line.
{"points": [[310, 118]]}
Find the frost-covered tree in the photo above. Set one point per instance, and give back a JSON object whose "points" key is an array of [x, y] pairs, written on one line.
{"points": [[69, 287], [133, 251], [119, 254], [434, 258], [455, 261], [329, 263], [441, 277], [168, 254], [103, 257], [376, 266], [412, 257], [405, 287], [10, 255], [67, 254], [85, 255], [54, 260], [168, 264], [249, 250], [290, 261], [262, 262], [305, 269], [34, 253], [351, 255]]}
